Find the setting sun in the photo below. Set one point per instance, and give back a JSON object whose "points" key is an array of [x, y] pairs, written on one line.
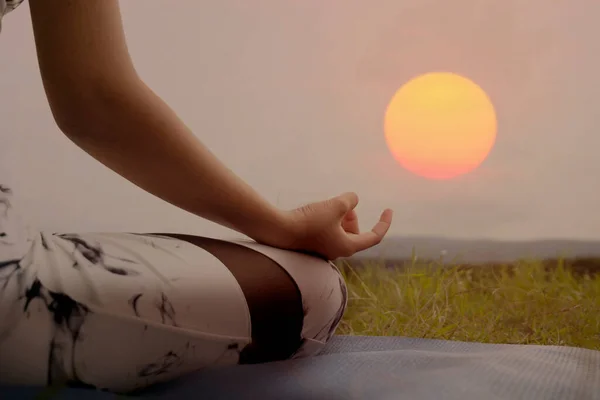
{"points": [[440, 125]]}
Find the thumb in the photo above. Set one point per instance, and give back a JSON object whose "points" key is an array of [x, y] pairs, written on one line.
{"points": [[344, 203]]}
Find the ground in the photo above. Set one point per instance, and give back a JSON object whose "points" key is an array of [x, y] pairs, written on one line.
{"points": [[552, 302]]}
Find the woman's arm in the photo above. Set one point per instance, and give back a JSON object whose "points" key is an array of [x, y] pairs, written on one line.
{"points": [[101, 104]]}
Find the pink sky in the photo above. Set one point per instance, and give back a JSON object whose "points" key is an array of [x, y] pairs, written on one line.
{"points": [[291, 95]]}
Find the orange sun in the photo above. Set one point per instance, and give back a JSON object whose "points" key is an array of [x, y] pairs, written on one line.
{"points": [[440, 125]]}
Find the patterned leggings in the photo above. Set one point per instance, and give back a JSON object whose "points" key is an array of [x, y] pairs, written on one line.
{"points": [[122, 311]]}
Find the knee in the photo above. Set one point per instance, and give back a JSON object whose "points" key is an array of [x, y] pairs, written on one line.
{"points": [[302, 298], [299, 327], [324, 298]]}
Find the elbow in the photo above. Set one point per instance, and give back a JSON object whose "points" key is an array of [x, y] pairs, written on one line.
{"points": [[68, 118], [84, 111], [75, 114]]}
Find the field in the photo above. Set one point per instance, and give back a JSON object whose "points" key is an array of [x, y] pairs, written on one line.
{"points": [[555, 302]]}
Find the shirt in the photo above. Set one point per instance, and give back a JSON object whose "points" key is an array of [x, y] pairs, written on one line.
{"points": [[7, 6]]}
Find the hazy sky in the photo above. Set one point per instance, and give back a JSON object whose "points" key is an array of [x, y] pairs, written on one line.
{"points": [[291, 95]]}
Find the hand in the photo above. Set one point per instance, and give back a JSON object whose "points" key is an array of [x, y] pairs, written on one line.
{"points": [[330, 228]]}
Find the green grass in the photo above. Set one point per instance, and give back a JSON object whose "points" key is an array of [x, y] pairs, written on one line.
{"points": [[528, 302]]}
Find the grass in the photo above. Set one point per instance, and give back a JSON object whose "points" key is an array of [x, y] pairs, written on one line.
{"points": [[529, 302]]}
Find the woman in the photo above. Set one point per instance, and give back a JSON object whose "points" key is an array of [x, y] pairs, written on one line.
{"points": [[121, 311]]}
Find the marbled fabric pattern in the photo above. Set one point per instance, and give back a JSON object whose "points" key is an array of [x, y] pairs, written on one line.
{"points": [[7, 6], [121, 311]]}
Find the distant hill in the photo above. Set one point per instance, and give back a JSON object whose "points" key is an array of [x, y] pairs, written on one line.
{"points": [[479, 251]]}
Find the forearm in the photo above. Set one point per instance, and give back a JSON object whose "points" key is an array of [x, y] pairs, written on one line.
{"points": [[132, 131]]}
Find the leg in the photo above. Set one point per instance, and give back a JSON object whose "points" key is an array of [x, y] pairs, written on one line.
{"points": [[296, 301], [122, 311], [273, 298]]}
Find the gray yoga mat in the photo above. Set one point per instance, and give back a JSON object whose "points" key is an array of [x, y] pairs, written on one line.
{"points": [[385, 368]]}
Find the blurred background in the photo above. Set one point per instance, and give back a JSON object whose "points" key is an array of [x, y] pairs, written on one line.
{"points": [[291, 96]]}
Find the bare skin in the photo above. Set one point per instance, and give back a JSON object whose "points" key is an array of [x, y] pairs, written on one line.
{"points": [[101, 104]]}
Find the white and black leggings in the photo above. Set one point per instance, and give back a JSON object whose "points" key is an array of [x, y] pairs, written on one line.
{"points": [[121, 311]]}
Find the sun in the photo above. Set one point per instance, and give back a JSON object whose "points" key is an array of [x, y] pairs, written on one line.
{"points": [[440, 125]]}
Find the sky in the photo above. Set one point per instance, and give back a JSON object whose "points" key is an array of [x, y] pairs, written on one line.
{"points": [[291, 95]]}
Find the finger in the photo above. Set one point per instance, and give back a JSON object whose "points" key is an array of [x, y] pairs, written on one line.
{"points": [[345, 202], [369, 239], [350, 222]]}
